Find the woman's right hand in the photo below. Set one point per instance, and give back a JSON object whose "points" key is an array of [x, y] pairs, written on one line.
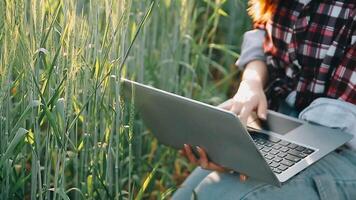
{"points": [[249, 97]]}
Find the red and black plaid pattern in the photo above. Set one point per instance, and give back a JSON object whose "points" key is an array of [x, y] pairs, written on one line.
{"points": [[313, 42]]}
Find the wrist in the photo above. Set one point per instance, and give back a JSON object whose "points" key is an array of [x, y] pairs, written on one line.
{"points": [[255, 72], [252, 83]]}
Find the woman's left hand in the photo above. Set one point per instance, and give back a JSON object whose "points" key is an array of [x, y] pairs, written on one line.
{"points": [[203, 160]]}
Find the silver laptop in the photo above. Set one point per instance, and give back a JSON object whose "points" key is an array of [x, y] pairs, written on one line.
{"points": [[273, 151]]}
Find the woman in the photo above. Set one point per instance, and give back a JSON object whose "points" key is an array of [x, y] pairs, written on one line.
{"points": [[303, 54]]}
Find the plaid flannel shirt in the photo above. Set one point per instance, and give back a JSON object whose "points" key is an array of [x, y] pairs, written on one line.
{"points": [[313, 42]]}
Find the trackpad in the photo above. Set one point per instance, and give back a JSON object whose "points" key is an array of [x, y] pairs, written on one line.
{"points": [[275, 123]]}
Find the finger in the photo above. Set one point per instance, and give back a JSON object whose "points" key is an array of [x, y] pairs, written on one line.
{"points": [[236, 108], [181, 152], [216, 167], [245, 112], [243, 177], [227, 104], [189, 154], [262, 109], [203, 161], [252, 117]]}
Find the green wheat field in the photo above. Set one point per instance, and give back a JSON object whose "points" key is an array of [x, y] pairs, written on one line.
{"points": [[66, 132]]}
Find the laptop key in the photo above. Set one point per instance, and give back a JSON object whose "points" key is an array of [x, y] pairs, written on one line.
{"points": [[282, 167], [269, 157], [284, 143], [266, 149], [277, 159], [300, 148], [297, 153], [281, 154], [276, 170], [274, 164], [274, 152], [308, 151], [292, 146], [284, 149], [292, 158], [274, 139], [268, 144], [287, 163], [261, 141], [276, 146]]}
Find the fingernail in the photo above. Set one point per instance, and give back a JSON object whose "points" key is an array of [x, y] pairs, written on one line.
{"points": [[198, 148], [242, 178], [264, 116]]}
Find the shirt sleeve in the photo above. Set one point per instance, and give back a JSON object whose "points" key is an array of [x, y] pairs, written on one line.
{"points": [[252, 48], [343, 82]]}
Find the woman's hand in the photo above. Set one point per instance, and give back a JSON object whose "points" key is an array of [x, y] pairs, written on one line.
{"points": [[249, 97], [203, 160]]}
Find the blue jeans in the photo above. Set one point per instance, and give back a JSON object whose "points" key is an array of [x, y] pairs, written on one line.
{"points": [[333, 177]]}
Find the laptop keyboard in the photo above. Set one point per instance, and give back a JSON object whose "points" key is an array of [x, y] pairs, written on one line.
{"points": [[279, 154]]}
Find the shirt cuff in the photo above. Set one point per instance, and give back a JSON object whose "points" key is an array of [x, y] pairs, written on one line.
{"points": [[252, 48]]}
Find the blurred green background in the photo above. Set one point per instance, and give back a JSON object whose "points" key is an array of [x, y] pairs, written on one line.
{"points": [[65, 131]]}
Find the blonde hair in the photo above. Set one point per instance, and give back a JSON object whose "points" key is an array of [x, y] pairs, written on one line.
{"points": [[262, 10]]}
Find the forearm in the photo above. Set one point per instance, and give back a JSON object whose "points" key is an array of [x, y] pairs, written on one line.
{"points": [[256, 72], [252, 58]]}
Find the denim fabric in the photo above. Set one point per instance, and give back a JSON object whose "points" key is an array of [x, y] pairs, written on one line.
{"points": [[331, 178], [186, 190]]}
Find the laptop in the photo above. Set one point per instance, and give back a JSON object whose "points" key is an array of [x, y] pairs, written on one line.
{"points": [[272, 152]]}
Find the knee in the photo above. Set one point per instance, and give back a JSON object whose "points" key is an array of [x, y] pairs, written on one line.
{"points": [[186, 190], [207, 188]]}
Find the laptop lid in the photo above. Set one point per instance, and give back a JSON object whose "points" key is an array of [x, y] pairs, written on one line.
{"points": [[176, 120]]}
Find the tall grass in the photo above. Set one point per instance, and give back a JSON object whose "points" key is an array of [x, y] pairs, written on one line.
{"points": [[65, 130]]}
